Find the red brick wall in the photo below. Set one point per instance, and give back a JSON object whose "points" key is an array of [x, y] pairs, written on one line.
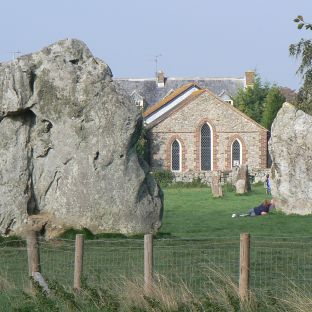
{"points": [[227, 124], [263, 149]]}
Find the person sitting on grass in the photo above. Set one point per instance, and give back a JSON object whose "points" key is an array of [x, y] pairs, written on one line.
{"points": [[263, 209]]}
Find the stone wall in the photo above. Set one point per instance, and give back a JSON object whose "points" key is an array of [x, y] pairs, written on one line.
{"points": [[227, 124], [257, 175]]}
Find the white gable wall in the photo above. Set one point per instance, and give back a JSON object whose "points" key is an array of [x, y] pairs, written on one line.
{"points": [[170, 105]]}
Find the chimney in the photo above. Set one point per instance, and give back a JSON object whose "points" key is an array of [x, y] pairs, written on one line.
{"points": [[160, 79], [249, 78]]}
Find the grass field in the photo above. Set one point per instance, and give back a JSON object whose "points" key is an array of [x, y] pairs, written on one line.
{"points": [[193, 213], [201, 234]]}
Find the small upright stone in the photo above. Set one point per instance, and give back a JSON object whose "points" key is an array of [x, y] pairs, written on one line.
{"points": [[216, 187], [240, 186], [241, 179]]}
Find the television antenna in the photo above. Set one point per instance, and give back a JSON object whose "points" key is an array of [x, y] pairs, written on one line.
{"points": [[156, 62], [15, 54]]}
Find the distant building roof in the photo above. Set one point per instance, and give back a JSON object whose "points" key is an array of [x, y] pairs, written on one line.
{"points": [[180, 97], [153, 92], [171, 97]]}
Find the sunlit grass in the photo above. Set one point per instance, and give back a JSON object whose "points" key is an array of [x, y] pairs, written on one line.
{"points": [[194, 213]]}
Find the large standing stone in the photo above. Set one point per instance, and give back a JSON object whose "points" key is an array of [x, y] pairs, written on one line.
{"points": [[291, 151], [67, 147]]}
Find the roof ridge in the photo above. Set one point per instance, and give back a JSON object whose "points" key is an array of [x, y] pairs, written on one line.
{"points": [[155, 107], [179, 78], [185, 101], [192, 97], [205, 78]]}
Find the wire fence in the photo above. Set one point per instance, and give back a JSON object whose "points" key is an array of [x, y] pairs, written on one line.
{"points": [[281, 264], [275, 263]]}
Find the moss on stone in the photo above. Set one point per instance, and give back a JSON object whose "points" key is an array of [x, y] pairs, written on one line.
{"points": [[53, 101]]}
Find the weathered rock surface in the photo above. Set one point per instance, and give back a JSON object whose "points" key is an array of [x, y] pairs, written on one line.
{"points": [[67, 147], [241, 179], [240, 186], [216, 187], [290, 147]]}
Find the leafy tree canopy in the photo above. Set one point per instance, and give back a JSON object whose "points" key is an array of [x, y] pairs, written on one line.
{"points": [[273, 102], [301, 23], [303, 50], [260, 102], [250, 100]]}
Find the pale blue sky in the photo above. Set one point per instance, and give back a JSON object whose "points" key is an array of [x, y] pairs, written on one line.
{"points": [[195, 38]]}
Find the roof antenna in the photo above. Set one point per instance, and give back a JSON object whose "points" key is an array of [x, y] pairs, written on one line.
{"points": [[156, 63], [15, 54]]}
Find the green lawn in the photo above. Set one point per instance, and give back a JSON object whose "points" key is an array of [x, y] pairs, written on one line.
{"points": [[281, 249], [201, 234], [193, 213]]}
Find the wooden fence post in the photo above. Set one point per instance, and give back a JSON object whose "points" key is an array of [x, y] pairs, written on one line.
{"points": [[33, 252], [244, 266], [148, 263], [79, 248]]}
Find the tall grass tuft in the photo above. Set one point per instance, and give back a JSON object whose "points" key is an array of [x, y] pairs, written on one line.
{"points": [[220, 295], [296, 299]]}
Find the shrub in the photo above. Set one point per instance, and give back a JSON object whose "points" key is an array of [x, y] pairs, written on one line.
{"points": [[163, 177], [141, 145], [196, 183]]}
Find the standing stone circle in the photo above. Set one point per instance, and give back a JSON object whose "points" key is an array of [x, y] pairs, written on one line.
{"points": [[67, 148]]}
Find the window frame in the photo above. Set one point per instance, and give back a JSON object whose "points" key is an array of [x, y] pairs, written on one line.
{"points": [[211, 147], [180, 155], [240, 152]]}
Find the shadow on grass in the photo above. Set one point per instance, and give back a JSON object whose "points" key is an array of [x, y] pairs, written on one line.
{"points": [[71, 234]]}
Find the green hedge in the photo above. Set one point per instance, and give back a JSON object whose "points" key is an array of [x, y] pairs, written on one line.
{"points": [[163, 177]]}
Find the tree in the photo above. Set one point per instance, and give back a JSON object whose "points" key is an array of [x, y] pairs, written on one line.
{"points": [[260, 102], [273, 102], [303, 50], [251, 100], [290, 94], [301, 23]]}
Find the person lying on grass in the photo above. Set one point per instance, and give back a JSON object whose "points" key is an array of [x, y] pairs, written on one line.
{"points": [[263, 209]]}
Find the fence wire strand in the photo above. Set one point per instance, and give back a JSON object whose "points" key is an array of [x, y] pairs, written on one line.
{"points": [[275, 263]]}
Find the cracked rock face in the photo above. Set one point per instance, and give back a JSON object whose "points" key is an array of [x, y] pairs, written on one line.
{"points": [[67, 148], [291, 151]]}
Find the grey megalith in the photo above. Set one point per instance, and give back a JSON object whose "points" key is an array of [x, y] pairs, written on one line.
{"points": [[291, 151], [67, 148]]}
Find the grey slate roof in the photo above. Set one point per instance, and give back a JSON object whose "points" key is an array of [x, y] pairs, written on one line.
{"points": [[152, 93]]}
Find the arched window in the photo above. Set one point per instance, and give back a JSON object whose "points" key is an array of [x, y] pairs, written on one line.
{"points": [[205, 147], [175, 156], [236, 153]]}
